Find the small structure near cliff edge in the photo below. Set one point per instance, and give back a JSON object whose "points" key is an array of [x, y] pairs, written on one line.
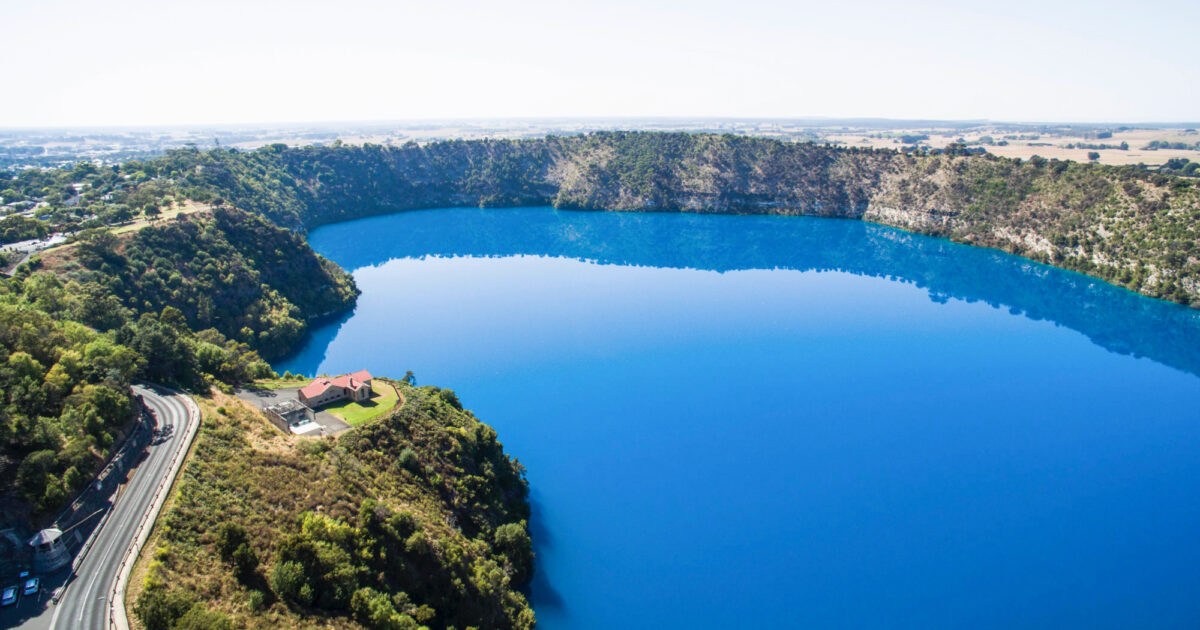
{"points": [[292, 415], [49, 552], [322, 391]]}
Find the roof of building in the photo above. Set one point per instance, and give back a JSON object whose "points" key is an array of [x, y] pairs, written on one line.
{"points": [[350, 381], [286, 406], [46, 536]]}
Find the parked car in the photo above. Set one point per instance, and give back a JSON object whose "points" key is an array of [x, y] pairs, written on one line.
{"points": [[31, 586], [9, 597]]}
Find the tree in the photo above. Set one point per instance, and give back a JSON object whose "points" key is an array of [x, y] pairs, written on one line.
{"points": [[290, 584], [159, 608], [375, 610], [450, 398], [245, 563], [408, 460], [230, 536], [34, 472], [512, 540], [96, 247], [1093, 155]]}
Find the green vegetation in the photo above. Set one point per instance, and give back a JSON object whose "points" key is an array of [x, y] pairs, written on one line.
{"points": [[415, 520], [226, 270], [19, 228], [1124, 146], [1155, 145], [1181, 167], [77, 327], [355, 414], [65, 386], [64, 402], [1129, 227], [87, 196]]}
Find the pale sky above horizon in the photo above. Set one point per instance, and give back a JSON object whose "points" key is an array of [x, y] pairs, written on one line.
{"points": [[147, 62]]}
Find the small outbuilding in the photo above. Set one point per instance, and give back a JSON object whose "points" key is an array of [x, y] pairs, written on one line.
{"points": [[290, 414], [49, 552]]}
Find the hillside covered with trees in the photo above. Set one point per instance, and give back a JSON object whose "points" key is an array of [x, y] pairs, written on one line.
{"points": [[416, 520], [64, 403], [188, 302], [223, 269]]}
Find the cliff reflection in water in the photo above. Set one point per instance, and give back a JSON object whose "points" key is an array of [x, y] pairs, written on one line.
{"points": [[1113, 318]]}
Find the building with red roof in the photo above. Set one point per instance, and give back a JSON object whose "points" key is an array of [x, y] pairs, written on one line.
{"points": [[322, 391]]}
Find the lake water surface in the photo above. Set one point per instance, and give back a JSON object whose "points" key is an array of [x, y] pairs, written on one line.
{"points": [[775, 422]]}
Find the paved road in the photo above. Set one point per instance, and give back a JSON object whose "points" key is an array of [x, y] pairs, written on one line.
{"points": [[85, 602]]}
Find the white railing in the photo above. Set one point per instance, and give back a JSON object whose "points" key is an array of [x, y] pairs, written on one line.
{"points": [[117, 616], [116, 460]]}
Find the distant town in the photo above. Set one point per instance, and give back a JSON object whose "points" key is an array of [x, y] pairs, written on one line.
{"points": [[1152, 144]]}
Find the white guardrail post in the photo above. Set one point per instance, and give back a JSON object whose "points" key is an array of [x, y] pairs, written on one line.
{"points": [[117, 616]]}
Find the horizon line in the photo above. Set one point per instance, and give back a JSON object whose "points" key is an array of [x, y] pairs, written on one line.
{"points": [[815, 121]]}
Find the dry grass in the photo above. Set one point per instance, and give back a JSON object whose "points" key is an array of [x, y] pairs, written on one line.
{"points": [[243, 470], [1025, 149], [55, 257], [187, 207], [281, 383]]}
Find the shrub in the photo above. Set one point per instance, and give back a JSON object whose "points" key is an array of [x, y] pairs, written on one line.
{"points": [[450, 398], [159, 609], [200, 618], [257, 600], [376, 611], [290, 584], [230, 536], [245, 562], [408, 460]]}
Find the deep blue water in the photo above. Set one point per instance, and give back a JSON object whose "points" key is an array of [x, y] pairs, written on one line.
{"points": [[782, 422]]}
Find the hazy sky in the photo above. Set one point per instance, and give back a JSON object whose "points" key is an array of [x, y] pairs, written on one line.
{"points": [[132, 62]]}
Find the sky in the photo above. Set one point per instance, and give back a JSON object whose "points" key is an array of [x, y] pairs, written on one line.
{"points": [[163, 62]]}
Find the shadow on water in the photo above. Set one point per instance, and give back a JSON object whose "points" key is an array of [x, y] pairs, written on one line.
{"points": [[1113, 318], [322, 332], [541, 591]]}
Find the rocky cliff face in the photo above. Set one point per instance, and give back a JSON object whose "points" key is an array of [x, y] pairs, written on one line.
{"points": [[1130, 227]]}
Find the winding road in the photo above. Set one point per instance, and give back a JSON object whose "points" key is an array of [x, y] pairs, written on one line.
{"points": [[102, 568]]}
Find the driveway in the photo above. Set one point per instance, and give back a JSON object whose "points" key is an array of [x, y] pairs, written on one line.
{"points": [[330, 424]]}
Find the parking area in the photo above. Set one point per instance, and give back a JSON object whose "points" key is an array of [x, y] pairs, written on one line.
{"points": [[260, 398], [27, 611]]}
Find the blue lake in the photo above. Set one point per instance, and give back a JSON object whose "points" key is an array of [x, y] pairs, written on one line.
{"points": [[783, 422]]}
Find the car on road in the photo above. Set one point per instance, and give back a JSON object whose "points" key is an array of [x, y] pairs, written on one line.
{"points": [[9, 597], [31, 586]]}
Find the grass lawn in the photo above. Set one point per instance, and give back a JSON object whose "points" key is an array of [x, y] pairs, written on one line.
{"points": [[354, 414]]}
